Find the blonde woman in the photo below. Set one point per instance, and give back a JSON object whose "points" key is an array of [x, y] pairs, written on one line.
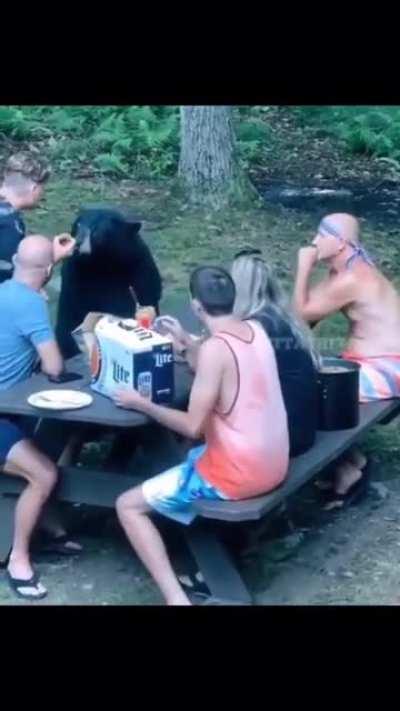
{"points": [[260, 297]]}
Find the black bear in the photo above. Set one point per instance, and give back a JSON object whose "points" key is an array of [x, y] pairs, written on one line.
{"points": [[110, 257]]}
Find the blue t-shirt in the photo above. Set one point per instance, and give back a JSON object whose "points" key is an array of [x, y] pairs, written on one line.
{"points": [[24, 324]]}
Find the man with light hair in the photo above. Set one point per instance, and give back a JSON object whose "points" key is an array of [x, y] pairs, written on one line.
{"points": [[26, 336], [371, 304], [22, 189]]}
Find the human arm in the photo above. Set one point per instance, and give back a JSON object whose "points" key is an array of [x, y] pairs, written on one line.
{"points": [[185, 344], [329, 296], [34, 324], [203, 397], [51, 361]]}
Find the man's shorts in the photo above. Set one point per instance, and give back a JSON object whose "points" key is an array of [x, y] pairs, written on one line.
{"points": [[10, 434], [173, 492], [379, 377]]}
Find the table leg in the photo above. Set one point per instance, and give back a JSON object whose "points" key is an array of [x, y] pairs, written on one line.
{"points": [[216, 565]]}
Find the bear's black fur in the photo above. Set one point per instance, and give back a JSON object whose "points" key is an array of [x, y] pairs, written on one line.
{"points": [[110, 257]]}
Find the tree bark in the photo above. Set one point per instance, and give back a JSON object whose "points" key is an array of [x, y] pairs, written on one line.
{"points": [[207, 167]]}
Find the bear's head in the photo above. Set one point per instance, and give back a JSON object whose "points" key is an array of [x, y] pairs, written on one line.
{"points": [[104, 234]]}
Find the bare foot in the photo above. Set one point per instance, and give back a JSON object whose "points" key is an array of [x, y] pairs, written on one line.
{"points": [[357, 458], [345, 476], [20, 567]]}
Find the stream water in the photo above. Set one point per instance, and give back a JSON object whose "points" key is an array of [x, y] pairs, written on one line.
{"points": [[378, 202]]}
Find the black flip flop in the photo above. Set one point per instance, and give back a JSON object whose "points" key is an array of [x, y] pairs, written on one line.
{"points": [[16, 583], [352, 496], [194, 588], [55, 545]]}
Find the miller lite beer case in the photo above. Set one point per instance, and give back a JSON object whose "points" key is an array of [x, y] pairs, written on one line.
{"points": [[124, 354]]}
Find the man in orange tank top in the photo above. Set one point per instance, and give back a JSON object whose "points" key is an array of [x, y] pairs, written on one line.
{"points": [[236, 404]]}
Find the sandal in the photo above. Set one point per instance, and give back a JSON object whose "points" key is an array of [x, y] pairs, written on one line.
{"points": [[352, 496], [17, 586], [194, 585], [58, 545]]}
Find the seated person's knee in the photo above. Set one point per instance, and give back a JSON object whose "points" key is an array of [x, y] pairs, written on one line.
{"points": [[122, 506], [129, 503]]}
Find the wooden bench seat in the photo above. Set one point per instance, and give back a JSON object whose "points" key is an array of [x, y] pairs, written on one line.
{"points": [[327, 448]]}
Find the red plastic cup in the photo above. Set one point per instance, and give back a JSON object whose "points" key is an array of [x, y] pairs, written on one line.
{"points": [[144, 321]]}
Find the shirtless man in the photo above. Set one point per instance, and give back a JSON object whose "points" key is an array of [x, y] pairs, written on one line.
{"points": [[235, 399], [371, 305]]}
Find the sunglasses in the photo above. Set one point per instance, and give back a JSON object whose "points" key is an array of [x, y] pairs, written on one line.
{"points": [[247, 252]]}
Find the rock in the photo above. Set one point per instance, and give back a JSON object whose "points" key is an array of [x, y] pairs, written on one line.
{"points": [[380, 489]]}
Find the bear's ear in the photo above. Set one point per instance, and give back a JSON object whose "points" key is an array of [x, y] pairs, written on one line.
{"points": [[133, 227]]}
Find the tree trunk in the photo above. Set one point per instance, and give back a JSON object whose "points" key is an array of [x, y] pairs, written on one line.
{"points": [[207, 166]]}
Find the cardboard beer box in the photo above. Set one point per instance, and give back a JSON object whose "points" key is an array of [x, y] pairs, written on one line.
{"points": [[124, 354]]}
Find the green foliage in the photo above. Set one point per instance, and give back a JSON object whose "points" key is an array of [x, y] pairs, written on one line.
{"points": [[140, 141], [134, 141], [252, 134], [370, 130], [143, 141]]}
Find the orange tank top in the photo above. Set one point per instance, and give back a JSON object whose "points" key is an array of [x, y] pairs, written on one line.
{"points": [[247, 448]]}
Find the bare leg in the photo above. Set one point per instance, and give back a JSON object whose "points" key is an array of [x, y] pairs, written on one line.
{"points": [[41, 474], [346, 475], [51, 520], [133, 513]]}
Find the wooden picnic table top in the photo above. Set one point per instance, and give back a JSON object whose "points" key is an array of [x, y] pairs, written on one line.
{"points": [[102, 411]]}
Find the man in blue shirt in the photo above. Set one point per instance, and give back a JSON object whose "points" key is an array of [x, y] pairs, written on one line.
{"points": [[26, 337]]}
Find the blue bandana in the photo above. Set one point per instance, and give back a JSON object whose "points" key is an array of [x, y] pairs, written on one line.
{"points": [[358, 251]]}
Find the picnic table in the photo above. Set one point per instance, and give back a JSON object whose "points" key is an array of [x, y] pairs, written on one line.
{"points": [[101, 488], [94, 487]]}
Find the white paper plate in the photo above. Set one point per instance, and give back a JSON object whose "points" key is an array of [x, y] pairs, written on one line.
{"points": [[60, 399]]}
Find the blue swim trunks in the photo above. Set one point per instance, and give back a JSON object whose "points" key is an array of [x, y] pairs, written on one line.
{"points": [[173, 492], [10, 434]]}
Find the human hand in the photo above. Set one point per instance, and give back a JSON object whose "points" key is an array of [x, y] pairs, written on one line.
{"points": [[63, 246], [168, 325], [307, 256], [129, 399]]}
